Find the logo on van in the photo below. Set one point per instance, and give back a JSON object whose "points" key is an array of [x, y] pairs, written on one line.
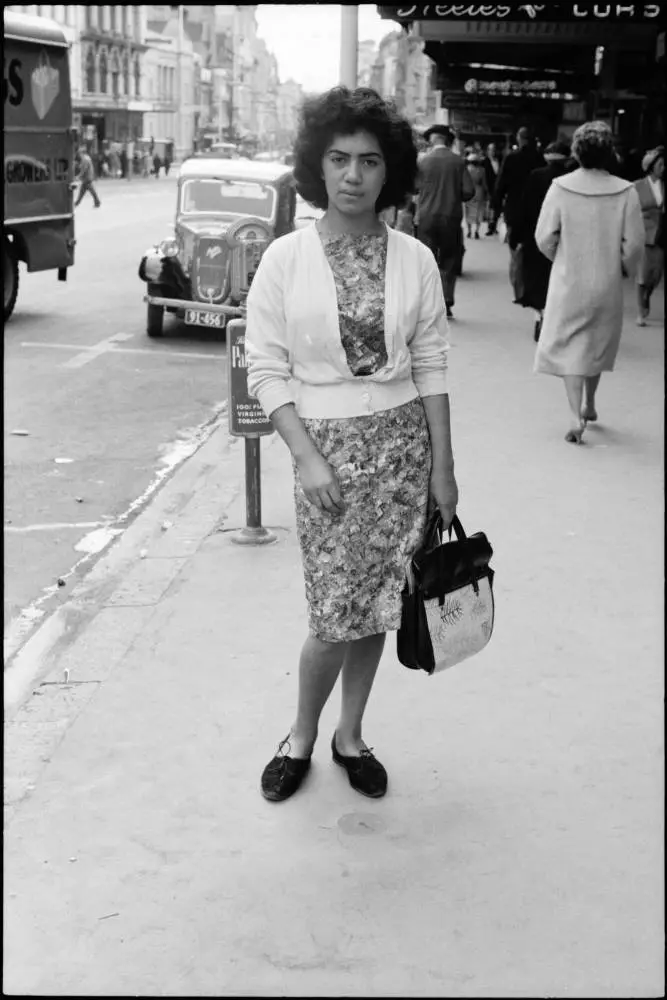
{"points": [[44, 86]]}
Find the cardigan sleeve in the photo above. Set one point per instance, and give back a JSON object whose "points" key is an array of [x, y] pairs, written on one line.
{"points": [[547, 231], [428, 345], [269, 370]]}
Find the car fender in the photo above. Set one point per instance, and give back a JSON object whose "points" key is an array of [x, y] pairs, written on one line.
{"points": [[151, 265]]}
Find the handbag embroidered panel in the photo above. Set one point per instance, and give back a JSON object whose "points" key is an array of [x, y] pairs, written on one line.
{"points": [[462, 625]]}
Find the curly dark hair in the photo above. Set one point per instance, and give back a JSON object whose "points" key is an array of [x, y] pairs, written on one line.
{"points": [[342, 111]]}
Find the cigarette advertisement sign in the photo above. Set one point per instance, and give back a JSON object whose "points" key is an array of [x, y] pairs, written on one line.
{"points": [[246, 416]]}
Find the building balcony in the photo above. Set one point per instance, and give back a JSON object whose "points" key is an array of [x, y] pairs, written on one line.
{"points": [[113, 38]]}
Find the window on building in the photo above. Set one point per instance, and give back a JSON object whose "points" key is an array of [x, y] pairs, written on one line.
{"points": [[91, 17], [137, 77], [115, 75], [126, 21], [137, 23], [106, 18], [113, 12], [104, 73], [90, 73], [126, 75]]}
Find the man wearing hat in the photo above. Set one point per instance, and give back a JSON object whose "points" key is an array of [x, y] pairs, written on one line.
{"points": [[444, 184], [651, 191], [535, 268], [510, 187]]}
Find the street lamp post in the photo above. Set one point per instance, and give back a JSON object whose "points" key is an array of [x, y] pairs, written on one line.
{"points": [[349, 45], [179, 84]]}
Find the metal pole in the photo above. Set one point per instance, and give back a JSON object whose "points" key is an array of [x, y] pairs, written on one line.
{"points": [[253, 475], [349, 44], [253, 533], [179, 85]]}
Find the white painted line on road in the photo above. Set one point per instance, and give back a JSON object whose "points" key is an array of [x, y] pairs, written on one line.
{"points": [[58, 526], [89, 354], [156, 352]]}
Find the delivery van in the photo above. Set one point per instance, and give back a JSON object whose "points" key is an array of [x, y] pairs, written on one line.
{"points": [[39, 148]]}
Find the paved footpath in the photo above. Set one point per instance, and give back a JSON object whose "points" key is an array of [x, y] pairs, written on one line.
{"points": [[519, 850]]}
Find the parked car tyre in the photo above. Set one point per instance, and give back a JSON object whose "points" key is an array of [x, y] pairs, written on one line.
{"points": [[11, 279], [154, 320]]}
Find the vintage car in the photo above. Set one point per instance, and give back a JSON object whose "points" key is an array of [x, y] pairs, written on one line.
{"points": [[227, 211]]}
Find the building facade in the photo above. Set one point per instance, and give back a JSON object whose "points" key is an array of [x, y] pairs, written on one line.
{"points": [[288, 105], [403, 73], [173, 73], [106, 65]]}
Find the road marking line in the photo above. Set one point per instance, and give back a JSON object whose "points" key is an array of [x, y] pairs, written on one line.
{"points": [[155, 352], [89, 354], [55, 527]]}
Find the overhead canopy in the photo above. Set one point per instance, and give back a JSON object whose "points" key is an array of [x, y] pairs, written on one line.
{"points": [[636, 25]]}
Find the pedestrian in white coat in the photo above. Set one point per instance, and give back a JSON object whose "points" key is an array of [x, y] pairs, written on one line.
{"points": [[651, 191], [591, 227]]}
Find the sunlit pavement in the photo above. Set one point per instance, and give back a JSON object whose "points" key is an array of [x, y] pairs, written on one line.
{"points": [[518, 851]]}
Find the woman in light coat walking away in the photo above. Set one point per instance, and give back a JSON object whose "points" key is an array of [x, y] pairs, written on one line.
{"points": [[591, 227], [651, 191]]}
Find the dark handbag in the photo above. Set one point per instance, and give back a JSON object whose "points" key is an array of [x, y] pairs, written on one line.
{"points": [[448, 607]]}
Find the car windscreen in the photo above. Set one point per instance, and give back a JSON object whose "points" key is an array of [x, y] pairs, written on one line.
{"points": [[235, 197]]}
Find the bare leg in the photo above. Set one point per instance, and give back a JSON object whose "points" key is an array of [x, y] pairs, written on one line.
{"points": [[359, 668], [319, 666], [574, 387], [591, 387]]}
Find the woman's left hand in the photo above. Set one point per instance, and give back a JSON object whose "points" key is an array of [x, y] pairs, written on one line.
{"points": [[445, 493]]}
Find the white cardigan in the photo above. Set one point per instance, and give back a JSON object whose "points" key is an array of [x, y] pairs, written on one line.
{"points": [[293, 344]]}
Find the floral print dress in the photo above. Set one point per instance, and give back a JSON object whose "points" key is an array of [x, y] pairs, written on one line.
{"points": [[354, 564]]}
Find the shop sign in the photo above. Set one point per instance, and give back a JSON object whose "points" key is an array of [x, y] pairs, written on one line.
{"points": [[246, 416], [509, 86], [547, 12]]}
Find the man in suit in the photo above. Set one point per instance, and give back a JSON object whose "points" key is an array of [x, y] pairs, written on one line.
{"points": [[536, 267], [510, 186], [444, 184], [514, 173]]}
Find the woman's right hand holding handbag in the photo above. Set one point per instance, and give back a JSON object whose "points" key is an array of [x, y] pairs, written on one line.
{"points": [[444, 492]]}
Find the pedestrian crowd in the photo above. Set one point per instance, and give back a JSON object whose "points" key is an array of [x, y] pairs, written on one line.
{"points": [[120, 160], [347, 352]]}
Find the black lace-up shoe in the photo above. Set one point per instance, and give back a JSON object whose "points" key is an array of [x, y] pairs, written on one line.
{"points": [[366, 773], [283, 775]]}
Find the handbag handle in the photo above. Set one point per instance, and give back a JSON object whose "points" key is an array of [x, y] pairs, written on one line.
{"points": [[435, 529], [433, 538]]}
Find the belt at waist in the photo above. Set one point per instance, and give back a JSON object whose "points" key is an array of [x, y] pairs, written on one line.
{"points": [[358, 398]]}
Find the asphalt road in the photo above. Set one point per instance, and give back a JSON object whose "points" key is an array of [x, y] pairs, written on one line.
{"points": [[106, 410]]}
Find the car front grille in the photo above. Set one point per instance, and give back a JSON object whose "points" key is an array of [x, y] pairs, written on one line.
{"points": [[211, 269]]}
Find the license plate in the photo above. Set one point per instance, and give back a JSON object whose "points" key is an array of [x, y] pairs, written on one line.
{"points": [[201, 317]]}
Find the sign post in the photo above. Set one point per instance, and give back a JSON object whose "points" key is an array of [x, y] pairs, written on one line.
{"points": [[247, 420]]}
